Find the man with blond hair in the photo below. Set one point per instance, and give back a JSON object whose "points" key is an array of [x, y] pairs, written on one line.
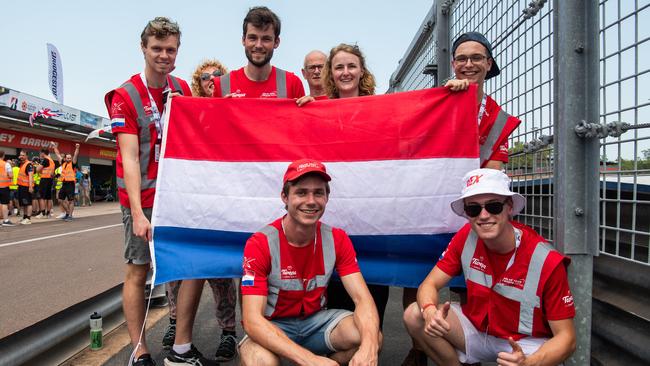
{"points": [[136, 110]]}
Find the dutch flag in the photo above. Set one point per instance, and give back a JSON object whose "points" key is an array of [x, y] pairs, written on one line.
{"points": [[396, 163]]}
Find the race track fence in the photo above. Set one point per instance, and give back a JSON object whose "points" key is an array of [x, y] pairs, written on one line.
{"points": [[577, 74]]}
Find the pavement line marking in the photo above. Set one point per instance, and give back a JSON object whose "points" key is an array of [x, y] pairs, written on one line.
{"points": [[58, 235]]}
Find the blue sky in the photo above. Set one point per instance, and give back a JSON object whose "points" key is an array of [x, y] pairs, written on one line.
{"points": [[99, 41]]}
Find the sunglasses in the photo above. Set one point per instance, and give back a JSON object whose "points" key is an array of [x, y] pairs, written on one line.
{"points": [[207, 76], [474, 209]]}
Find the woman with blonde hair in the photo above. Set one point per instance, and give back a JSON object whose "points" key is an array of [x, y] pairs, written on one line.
{"points": [[223, 289], [346, 75], [203, 77]]}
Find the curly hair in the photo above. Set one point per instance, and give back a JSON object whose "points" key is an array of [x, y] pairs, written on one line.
{"points": [[160, 27], [196, 76], [366, 83]]}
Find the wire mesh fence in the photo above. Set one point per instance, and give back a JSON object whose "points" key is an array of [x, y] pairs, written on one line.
{"points": [[521, 32]]}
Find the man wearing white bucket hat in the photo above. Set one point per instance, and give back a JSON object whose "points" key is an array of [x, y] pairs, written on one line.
{"points": [[519, 308]]}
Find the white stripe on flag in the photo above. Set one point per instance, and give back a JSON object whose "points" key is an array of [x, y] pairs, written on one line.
{"points": [[368, 198]]}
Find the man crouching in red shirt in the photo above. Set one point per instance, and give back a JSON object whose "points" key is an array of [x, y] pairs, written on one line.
{"points": [[287, 266], [519, 308]]}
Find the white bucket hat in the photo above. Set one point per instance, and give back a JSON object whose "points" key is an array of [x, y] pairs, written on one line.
{"points": [[482, 181]]}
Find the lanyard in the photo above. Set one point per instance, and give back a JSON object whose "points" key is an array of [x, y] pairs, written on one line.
{"points": [[517, 242], [154, 108], [481, 110]]}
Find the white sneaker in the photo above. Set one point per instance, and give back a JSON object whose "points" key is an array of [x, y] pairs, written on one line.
{"points": [[25, 222], [39, 216], [61, 216]]}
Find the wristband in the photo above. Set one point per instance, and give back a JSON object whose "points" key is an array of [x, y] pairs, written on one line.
{"points": [[422, 309]]}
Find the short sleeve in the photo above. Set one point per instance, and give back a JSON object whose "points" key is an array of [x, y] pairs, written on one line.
{"points": [[256, 266], [501, 153], [346, 257], [449, 261], [557, 297], [123, 118], [296, 89]]}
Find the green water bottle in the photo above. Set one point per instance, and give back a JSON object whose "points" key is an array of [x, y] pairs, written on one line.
{"points": [[96, 341]]}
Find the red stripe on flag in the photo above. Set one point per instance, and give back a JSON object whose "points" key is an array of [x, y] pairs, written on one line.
{"points": [[432, 123]]}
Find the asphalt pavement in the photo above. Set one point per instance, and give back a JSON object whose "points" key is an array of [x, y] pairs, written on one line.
{"points": [[51, 265], [206, 334]]}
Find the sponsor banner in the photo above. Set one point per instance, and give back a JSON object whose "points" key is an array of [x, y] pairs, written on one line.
{"points": [[396, 163], [29, 104], [55, 72], [34, 143]]}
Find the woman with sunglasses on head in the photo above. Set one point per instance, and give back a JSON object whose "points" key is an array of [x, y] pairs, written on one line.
{"points": [[345, 76], [223, 289]]}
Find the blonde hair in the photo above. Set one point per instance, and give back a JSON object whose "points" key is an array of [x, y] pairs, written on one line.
{"points": [[197, 91], [160, 28], [366, 83]]}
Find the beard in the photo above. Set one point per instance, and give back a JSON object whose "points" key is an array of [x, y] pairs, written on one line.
{"points": [[262, 63]]}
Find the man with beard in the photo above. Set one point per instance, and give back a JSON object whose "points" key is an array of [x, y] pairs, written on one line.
{"points": [[258, 79], [314, 64]]}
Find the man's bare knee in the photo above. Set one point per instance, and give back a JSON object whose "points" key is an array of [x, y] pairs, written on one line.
{"points": [[345, 336], [136, 273], [252, 354], [412, 318]]}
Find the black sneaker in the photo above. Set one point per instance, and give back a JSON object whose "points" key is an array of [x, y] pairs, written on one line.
{"points": [[168, 338], [227, 348], [192, 357], [144, 360]]}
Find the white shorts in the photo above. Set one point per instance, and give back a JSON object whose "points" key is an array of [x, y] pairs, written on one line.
{"points": [[482, 347]]}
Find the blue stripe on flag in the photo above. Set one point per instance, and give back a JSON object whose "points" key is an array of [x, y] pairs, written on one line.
{"points": [[396, 260]]}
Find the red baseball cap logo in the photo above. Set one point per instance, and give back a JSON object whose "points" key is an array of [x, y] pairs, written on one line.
{"points": [[303, 166]]}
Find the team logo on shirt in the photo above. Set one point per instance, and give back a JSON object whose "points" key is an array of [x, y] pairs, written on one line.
{"points": [[519, 283], [477, 263], [568, 299], [269, 95], [288, 273], [147, 110], [116, 108]]}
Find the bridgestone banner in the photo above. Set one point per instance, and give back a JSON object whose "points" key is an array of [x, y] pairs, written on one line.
{"points": [[55, 72]]}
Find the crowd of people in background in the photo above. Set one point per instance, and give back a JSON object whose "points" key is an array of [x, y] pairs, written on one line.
{"points": [[31, 187]]}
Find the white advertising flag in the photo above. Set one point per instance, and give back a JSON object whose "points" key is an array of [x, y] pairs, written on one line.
{"points": [[55, 73]]}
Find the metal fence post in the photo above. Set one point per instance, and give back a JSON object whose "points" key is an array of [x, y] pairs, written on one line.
{"points": [[442, 40], [576, 203]]}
